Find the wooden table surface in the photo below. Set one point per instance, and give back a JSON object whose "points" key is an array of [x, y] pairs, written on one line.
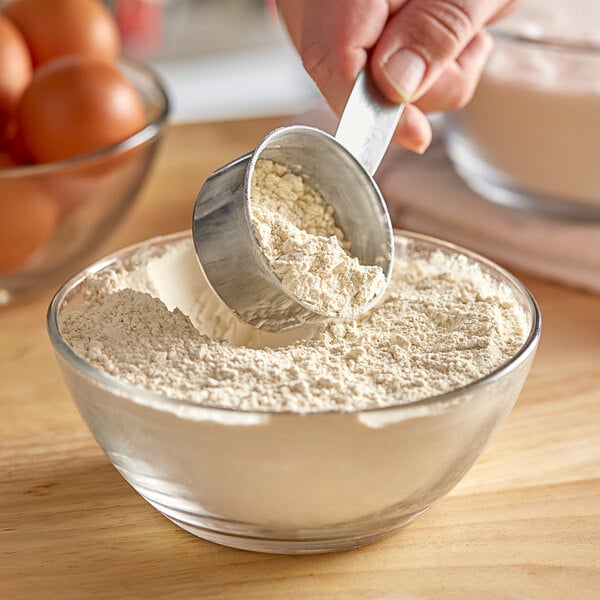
{"points": [[524, 522]]}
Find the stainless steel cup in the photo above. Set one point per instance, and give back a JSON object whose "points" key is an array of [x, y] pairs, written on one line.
{"points": [[339, 168]]}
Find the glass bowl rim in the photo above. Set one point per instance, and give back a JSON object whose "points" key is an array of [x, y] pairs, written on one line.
{"points": [[150, 130], [554, 42], [139, 395]]}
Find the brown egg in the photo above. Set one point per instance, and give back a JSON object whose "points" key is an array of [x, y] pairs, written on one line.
{"points": [[7, 161], [28, 218], [65, 27], [17, 147], [15, 71], [74, 106]]}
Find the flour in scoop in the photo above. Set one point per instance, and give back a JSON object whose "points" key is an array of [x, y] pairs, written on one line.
{"points": [[442, 324], [307, 251]]}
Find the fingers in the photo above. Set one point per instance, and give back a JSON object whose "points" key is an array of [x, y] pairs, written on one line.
{"points": [[451, 91], [430, 52], [457, 83], [422, 39], [333, 38], [414, 131], [333, 45]]}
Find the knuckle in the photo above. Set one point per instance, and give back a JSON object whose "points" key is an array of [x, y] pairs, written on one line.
{"points": [[325, 65], [442, 27], [315, 61]]}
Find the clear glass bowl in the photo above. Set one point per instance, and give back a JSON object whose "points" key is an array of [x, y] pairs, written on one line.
{"points": [[285, 482], [529, 137], [59, 212]]}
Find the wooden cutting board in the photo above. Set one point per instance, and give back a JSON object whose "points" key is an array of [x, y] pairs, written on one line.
{"points": [[524, 523]]}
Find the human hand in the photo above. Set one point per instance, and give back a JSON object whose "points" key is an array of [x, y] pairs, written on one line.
{"points": [[429, 53]]}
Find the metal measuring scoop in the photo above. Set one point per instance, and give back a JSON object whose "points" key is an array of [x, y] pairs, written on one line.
{"points": [[339, 167]]}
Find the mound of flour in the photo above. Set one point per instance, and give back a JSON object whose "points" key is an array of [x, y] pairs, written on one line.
{"points": [[308, 252], [442, 324]]}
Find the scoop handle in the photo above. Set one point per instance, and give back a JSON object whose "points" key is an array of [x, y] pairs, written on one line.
{"points": [[368, 123]]}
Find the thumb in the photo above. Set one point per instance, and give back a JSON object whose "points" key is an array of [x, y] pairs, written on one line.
{"points": [[421, 39]]}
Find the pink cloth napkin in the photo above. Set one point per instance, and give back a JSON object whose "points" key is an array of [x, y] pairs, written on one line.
{"points": [[424, 194]]}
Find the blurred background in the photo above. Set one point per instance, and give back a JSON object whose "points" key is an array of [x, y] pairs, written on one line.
{"points": [[514, 168], [211, 53]]}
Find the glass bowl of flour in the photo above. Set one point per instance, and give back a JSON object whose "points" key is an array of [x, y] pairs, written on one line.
{"points": [[311, 440], [529, 137]]}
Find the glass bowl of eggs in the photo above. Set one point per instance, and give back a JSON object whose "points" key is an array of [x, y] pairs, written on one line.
{"points": [[78, 133]]}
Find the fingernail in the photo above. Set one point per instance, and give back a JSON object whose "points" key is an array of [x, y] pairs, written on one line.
{"points": [[404, 70], [421, 147]]}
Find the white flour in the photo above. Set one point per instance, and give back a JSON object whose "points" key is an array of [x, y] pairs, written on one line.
{"points": [[443, 324], [305, 248]]}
